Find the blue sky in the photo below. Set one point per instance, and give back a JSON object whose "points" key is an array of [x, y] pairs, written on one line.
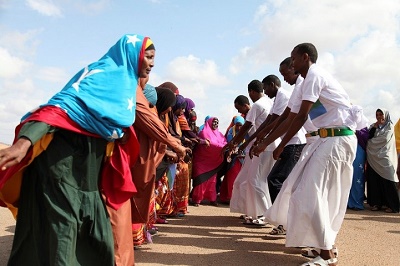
{"points": [[210, 49]]}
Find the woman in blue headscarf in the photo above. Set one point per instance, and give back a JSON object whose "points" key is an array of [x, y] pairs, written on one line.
{"points": [[235, 162], [57, 157]]}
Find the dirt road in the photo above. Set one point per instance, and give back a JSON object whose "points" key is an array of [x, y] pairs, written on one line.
{"points": [[213, 236]]}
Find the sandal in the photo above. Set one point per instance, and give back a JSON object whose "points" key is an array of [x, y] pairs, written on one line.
{"points": [[248, 221], [278, 231], [321, 262], [389, 210], [314, 252], [375, 208], [259, 221]]}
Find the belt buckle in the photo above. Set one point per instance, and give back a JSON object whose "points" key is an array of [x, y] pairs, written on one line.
{"points": [[323, 133]]}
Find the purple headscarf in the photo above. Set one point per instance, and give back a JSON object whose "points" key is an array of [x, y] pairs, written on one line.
{"points": [[189, 106]]}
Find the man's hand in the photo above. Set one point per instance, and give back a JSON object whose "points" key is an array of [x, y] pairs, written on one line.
{"points": [[228, 147], [243, 146], [277, 152], [258, 149], [13, 155]]}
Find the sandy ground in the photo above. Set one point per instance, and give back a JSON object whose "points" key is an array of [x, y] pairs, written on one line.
{"points": [[213, 236]]}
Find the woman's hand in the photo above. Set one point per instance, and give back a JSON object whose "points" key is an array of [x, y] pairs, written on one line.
{"points": [[13, 155], [171, 156]]}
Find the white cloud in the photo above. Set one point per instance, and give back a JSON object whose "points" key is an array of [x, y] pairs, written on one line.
{"points": [[260, 12], [11, 66], [45, 7], [21, 96], [359, 51], [21, 44], [194, 76]]}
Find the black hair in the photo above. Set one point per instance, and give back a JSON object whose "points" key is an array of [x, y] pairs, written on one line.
{"points": [[286, 62], [242, 100], [272, 79], [308, 48], [255, 85]]}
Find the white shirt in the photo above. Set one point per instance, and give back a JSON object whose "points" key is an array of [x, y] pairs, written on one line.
{"points": [[331, 103], [295, 100], [280, 102], [285, 99], [259, 112]]}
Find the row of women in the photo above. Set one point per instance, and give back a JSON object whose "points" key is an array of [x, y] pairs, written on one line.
{"points": [[81, 174], [173, 181]]}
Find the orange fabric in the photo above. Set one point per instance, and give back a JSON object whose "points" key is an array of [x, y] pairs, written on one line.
{"points": [[183, 124], [150, 131], [10, 191], [121, 228], [181, 188]]}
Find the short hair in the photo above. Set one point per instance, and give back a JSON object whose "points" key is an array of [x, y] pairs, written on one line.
{"points": [[255, 85], [272, 79], [308, 48], [242, 100], [286, 62]]}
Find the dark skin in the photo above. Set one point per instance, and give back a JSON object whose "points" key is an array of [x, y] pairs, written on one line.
{"points": [[270, 89], [283, 122], [243, 109], [301, 64]]}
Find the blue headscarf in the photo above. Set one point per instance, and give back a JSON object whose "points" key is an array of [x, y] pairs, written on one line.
{"points": [[101, 98], [238, 119], [150, 93]]}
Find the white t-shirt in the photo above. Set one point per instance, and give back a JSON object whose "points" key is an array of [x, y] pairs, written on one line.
{"points": [[259, 112], [280, 102], [262, 107], [295, 100], [331, 103], [284, 96]]}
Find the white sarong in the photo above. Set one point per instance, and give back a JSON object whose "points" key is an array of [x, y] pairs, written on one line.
{"points": [[313, 200]]}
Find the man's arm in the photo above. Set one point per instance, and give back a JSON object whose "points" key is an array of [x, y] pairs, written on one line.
{"points": [[238, 138], [281, 126], [294, 127]]}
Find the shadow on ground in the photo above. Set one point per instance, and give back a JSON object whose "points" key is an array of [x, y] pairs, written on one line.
{"points": [[216, 240]]}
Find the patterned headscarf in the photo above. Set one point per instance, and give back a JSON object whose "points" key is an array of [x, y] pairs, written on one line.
{"points": [[101, 98]]}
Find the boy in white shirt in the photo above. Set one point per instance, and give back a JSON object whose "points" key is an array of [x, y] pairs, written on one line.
{"points": [[318, 202]]}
